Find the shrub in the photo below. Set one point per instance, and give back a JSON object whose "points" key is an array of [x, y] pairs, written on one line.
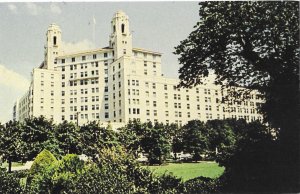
{"points": [[43, 159], [202, 185], [9, 182]]}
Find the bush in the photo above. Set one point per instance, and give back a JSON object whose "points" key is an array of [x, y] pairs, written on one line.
{"points": [[43, 159], [202, 185], [9, 182]]}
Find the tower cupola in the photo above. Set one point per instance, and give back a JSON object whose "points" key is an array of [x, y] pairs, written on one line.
{"points": [[52, 46], [120, 38]]}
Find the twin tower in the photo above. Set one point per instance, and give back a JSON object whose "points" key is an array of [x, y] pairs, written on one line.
{"points": [[120, 40]]}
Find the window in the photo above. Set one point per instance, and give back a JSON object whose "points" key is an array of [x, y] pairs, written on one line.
{"points": [[166, 104], [106, 115], [155, 112], [154, 94], [187, 97], [154, 103], [154, 86], [83, 58], [105, 55], [73, 59], [94, 56], [166, 87], [166, 95], [167, 113], [123, 28], [63, 61], [54, 40]]}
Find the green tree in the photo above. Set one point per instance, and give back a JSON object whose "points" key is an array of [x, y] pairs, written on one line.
{"points": [[220, 134], [67, 134], [195, 138], [10, 142], [157, 143], [38, 134], [176, 136], [130, 136], [254, 45], [249, 162], [93, 137]]}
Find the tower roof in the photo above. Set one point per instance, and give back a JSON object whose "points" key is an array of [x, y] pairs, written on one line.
{"points": [[120, 13], [54, 26]]}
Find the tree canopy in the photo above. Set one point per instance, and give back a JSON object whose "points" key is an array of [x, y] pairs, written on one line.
{"points": [[253, 44]]}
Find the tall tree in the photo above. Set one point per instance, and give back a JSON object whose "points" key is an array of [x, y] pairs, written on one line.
{"points": [[157, 143], [67, 135], [221, 135], [130, 136], [195, 138], [38, 134], [254, 45], [10, 142], [93, 138]]}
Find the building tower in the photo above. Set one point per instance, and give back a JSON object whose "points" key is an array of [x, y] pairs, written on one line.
{"points": [[120, 38], [52, 46]]}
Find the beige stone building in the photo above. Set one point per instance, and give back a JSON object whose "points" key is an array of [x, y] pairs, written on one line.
{"points": [[118, 83]]}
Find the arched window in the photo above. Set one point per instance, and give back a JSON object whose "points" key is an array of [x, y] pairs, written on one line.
{"points": [[114, 28], [122, 28], [54, 40]]}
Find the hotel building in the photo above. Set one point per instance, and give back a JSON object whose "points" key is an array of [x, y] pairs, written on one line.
{"points": [[118, 83]]}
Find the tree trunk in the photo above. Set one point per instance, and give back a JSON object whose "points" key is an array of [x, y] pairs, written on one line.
{"points": [[9, 166]]}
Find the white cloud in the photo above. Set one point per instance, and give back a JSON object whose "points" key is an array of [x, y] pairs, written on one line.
{"points": [[77, 46], [12, 86], [33, 8], [12, 79], [13, 8], [54, 8]]}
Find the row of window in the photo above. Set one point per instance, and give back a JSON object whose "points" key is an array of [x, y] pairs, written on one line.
{"points": [[83, 58], [153, 64]]}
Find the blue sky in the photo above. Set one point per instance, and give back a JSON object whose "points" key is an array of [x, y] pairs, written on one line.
{"points": [[157, 26]]}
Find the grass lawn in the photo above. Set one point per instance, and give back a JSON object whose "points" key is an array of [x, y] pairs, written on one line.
{"points": [[189, 170], [14, 164]]}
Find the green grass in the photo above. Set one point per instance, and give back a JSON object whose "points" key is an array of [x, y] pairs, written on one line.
{"points": [[188, 171], [14, 164]]}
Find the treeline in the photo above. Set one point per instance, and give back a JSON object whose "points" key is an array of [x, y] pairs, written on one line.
{"points": [[242, 148]]}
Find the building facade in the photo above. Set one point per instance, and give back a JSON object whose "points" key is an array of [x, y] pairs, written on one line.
{"points": [[119, 83]]}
